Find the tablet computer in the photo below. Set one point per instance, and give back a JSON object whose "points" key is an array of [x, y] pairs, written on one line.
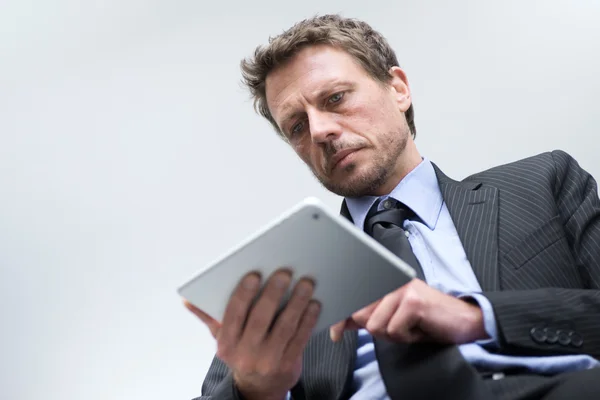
{"points": [[350, 269]]}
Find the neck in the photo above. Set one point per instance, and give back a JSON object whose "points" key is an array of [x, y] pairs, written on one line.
{"points": [[406, 162]]}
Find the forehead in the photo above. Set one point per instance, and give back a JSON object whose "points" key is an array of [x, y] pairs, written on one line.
{"points": [[310, 71]]}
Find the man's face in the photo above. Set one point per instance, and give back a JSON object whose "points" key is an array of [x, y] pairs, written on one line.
{"points": [[347, 127]]}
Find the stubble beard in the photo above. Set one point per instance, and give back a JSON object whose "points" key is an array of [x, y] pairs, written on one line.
{"points": [[373, 176]]}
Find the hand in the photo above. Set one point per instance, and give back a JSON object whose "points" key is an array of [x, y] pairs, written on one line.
{"points": [[416, 312], [265, 363]]}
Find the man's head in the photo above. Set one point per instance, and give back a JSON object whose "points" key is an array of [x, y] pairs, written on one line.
{"points": [[333, 89]]}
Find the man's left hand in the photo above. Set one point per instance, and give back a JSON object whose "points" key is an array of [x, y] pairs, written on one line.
{"points": [[418, 313]]}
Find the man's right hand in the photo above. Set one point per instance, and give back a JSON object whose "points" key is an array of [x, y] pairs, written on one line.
{"points": [[266, 363]]}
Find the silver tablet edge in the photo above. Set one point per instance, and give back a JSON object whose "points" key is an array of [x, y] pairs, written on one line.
{"points": [[307, 202]]}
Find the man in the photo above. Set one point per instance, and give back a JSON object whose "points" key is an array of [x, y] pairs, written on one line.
{"points": [[508, 304]]}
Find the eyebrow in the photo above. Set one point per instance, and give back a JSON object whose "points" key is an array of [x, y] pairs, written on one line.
{"points": [[325, 92], [320, 94]]}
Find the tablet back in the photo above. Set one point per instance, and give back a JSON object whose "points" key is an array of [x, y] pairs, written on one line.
{"points": [[351, 270]]}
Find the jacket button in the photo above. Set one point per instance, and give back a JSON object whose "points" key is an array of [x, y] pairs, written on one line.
{"points": [[551, 336], [563, 338], [538, 335], [576, 340]]}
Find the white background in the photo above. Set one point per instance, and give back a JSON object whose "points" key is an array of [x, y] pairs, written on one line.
{"points": [[130, 156]]}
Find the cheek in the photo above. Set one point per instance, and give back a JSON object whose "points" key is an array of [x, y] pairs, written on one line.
{"points": [[380, 120], [363, 121], [365, 116], [308, 154], [393, 113]]}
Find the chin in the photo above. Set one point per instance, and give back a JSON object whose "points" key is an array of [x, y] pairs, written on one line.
{"points": [[355, 183]]}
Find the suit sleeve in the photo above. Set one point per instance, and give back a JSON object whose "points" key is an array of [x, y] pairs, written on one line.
{"points": [[218, 384], [554, 321]]}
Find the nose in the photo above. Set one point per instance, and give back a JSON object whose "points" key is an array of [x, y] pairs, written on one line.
{"points": [[323, 126]]}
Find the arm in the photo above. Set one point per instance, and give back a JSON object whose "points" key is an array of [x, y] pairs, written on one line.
{"points": [[523, 315], [259, 354], [219, 384]]}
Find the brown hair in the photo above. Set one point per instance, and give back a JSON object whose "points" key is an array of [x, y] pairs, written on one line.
{"points": [[355, 37]]}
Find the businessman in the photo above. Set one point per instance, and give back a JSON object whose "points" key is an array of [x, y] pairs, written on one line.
{"points": [[507, 300]]}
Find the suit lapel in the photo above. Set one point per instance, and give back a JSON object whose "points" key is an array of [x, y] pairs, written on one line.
{"points": [[474, 211], [416, 363]]}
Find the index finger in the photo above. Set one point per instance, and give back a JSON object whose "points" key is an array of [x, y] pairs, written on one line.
{"points": [[362, 316]]}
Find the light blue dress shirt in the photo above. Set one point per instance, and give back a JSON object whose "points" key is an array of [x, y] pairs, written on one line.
{"points": [[435, 242]]}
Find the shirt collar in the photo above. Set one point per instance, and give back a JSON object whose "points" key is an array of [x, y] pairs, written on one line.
{"points": [[419, 190]]}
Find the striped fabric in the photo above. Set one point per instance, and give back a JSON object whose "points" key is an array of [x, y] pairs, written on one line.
{"points": [[531, 231]]}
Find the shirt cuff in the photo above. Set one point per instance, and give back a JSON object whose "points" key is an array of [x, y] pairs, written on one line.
{"points": [[489, 319]]}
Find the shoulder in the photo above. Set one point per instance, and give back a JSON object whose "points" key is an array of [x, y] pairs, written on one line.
{"points": [[547, 167], [531, 182]]}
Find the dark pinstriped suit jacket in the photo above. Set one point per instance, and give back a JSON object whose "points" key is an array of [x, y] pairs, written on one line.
{"points": [[531, 231]]}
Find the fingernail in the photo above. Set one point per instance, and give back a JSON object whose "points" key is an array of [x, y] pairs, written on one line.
{"points": [[281, 280], [251, 282], [304, 288], [314, 308], [332, 335]]}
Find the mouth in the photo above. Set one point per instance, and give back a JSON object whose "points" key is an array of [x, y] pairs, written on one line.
{"points": [[339, 157]]}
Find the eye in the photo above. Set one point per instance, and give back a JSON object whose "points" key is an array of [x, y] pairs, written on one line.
{"points": [[336, 98], [297, 128]]}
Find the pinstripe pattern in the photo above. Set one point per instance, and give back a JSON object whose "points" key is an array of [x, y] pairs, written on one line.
{"points": [[326, 372], [327, 367], [548, 252], [531, 231], [474, 211], [218, 382]]}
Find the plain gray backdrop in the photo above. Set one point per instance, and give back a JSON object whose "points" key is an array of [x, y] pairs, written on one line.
{"points": [[130, 156]]}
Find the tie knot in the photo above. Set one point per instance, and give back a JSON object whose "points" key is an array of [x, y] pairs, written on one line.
{"points": [[386, 212]]}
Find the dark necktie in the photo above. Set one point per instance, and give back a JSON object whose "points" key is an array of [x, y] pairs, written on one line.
{"points": [[421, 370], [386, 226]]}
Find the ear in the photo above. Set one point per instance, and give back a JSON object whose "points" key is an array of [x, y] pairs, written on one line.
{"points": [[399, 84]]}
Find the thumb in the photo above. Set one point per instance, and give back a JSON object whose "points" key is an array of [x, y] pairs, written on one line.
{"points": [[213, 325]]}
